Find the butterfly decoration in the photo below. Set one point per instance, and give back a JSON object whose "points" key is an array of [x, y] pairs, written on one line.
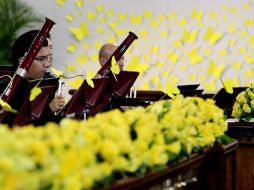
{"points": [[228, 85], [91, 15], [89, 76], [134, 64], [114, 67], [69, 17], [211, 36], [189, 36], [76, 83], [171, 90], [215, 70], [7, 107], [58, 73], [136, 20], [79, 3], [122, 16], [60, 2], [197, 15], [80, 32], [35, 91], [71, 48], [99, 8]]}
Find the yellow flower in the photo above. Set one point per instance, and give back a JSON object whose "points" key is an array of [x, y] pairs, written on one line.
{"points": [[252, 104], [174, 147], [109, 150], [5, 164], [241, 98], [246, 108]]}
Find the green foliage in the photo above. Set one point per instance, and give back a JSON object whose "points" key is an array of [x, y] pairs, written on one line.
{"points": [[224, 139], [14, 15]]}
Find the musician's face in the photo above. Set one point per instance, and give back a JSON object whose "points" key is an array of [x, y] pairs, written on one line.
{"points": [[110, 50], [41, 63]]}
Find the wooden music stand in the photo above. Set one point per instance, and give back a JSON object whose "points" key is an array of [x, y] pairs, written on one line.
{"points": [[32, 110], [123, 82], [86, 99], [225, 100]]}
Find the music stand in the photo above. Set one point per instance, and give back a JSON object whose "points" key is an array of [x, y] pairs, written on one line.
{"points": [[188, 87], [123, 82], [86, 99], [225, 100], [32, 110]]}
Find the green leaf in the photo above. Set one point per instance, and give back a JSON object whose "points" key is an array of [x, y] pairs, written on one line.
{"points": [[14, 15], [224, 139]]}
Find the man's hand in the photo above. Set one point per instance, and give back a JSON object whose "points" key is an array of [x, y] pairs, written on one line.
{"points": [[57, 103]]}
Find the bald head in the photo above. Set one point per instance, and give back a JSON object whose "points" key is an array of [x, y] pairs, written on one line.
{"points": [[105, 53]]}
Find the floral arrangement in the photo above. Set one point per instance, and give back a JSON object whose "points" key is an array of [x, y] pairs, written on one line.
{"points": [[112, 145], [243, 107]]}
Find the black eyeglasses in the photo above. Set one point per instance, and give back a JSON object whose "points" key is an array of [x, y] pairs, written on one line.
{"points": [[44, 58]]}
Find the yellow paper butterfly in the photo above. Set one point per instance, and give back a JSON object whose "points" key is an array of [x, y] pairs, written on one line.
{"points": [[60, 2], [213, 15], [210, 86], [237, 65], [72, 47], [79, 3], [148, 14], [136, 19], [89, 80], [134, 64], [81, 59], [212, 36], [189, 36], [251, 40], [99, 8], [110, 12], [177, 43], [173, 57], [58, 73], [246, 6], [172, 15], [182, 22], [171, 90], [35, 92], [76, 83], [197, 14], [91, 15], [69, 17], [114, 67], [243, 33], [113, 24], [228, 85], [215, 70], [145, 86], [79, 32], [7, 107], [122, 16], [71, 68], [248, 74]]}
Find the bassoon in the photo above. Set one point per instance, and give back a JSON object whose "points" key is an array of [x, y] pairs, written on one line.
{"points": [[19, 75]]}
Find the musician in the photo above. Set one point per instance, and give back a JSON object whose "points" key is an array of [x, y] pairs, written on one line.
{"points": [[104, 54], [39, 69], [106, 51]]}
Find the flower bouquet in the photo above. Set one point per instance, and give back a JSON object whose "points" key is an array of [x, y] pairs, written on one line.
{"points": [[243, 108]]}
